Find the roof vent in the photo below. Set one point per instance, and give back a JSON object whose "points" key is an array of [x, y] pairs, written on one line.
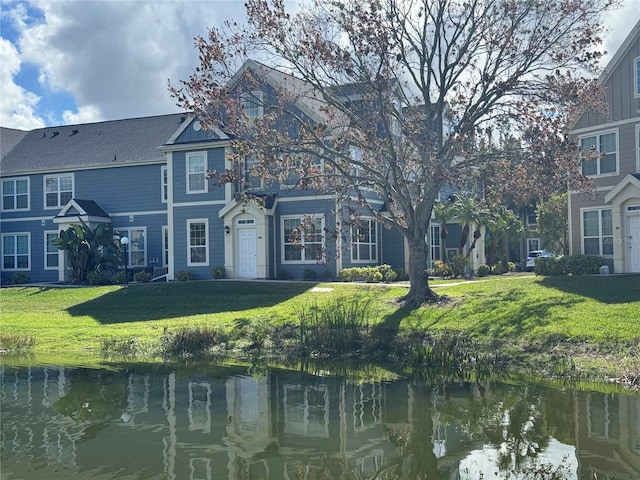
{"points": [[55, 134], [73, 132]]}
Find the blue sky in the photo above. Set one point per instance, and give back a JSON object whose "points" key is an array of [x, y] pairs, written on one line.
{"points": [[76, 61]]}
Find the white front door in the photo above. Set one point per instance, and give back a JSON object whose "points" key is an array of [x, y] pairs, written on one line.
{"points": [[634, 244], [247, 252]]}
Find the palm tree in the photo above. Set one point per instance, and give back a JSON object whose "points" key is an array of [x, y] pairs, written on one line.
{"points": [[503, 223], [469, 212]]}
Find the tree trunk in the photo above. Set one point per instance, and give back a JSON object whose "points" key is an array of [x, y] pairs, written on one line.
{"points": [[419, 291]]}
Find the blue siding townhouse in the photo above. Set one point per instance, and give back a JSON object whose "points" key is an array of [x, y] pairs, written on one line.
{"points": [[147, 178]]}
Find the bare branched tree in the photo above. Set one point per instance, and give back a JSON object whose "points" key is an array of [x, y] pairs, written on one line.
{"points": [[392, 97]]}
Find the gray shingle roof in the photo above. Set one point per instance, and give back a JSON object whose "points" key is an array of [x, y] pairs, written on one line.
{"points": [[118, 142], [9, 138]]}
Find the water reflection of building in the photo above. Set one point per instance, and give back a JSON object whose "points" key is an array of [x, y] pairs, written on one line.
{"points": [[608, 436], [282, 426]]}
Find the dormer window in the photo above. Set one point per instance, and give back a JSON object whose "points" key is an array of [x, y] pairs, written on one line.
{"points": [[253, 104]]}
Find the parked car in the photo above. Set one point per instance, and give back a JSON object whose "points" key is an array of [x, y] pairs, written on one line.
{"points": [[533, 255]]}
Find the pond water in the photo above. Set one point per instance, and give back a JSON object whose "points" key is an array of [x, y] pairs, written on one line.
{"points": [[219, 422]]}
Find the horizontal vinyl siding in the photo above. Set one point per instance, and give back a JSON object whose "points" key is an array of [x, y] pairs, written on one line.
{"points": [[578, 202], [36, 271], [215, 161], [392, 248], [153, 224], [130, 189], [310, 207], [215, 239]]}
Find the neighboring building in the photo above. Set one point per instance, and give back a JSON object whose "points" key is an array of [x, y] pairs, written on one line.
{"points": [[609, 224], [146, 177]]}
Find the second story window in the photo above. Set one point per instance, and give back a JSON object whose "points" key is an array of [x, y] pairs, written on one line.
{"points": [[252, 180], [196, 170], [15, 194], [606, 146], [165, 184], [636, 71], [253, 104], [58, 190]]}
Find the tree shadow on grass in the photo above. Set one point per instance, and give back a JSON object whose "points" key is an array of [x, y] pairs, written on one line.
{"points": [[608, 289], [140, 303], [495, 317]]}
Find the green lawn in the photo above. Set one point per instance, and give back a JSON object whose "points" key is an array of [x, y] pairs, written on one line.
{"points": [[600, 311]]}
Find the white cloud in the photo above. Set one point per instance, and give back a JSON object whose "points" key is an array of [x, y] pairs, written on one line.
{"points": [[114, 57], [619, 22], [85, 114], [18, 106]]}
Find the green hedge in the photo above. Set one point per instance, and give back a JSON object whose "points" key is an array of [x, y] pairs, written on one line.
{"points": [[380, 273], [571, 265]]}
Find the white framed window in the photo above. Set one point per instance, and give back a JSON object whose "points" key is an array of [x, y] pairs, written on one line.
{"points": [[597, 232], [15, 194], [16, 251], [607, 145], [165, 246], [532, 218], [251, 181], [137, 248], [196, 171], [302, 239], [303, 163], [603, 416], [198, 245], [356, 157], [533, 244], [434, 242], [51, 252], [58, 190], [253, 104], [636, 77], [364, 241], [164, 176]]}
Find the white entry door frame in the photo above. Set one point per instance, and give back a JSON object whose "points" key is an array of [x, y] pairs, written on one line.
{"points": [[247, 261], [633, 239]]}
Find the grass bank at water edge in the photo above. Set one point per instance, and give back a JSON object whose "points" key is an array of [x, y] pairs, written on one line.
{"points": [[587, 324]]}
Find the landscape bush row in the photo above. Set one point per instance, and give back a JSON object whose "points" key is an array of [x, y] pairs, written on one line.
{"points": [[571, 265]]}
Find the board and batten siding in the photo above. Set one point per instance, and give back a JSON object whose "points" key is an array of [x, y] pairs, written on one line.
{"points": [[619, 87]]}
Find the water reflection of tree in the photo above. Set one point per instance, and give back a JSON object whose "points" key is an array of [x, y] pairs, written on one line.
{"points": [[94, 398], [516, 428]]}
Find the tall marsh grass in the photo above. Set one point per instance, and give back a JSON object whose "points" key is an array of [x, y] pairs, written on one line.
{"points": [[341, 327], [10, 343]]}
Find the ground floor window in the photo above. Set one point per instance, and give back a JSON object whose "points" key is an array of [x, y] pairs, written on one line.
{"points": [[434, 242], [303, 239], [533, 244], [137, 248], [198, 245], [51, 252], [16, 254], [165, 246], [597, 232], [364, 241]]}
